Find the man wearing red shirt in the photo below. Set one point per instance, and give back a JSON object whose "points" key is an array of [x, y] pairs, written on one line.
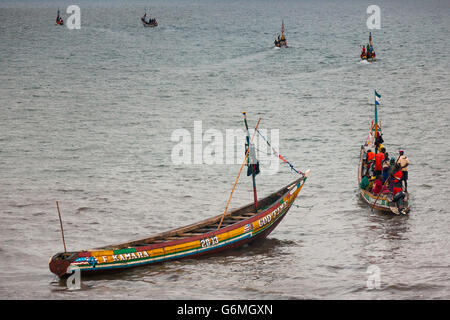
{"points": [[397, 180], [379, 162]]}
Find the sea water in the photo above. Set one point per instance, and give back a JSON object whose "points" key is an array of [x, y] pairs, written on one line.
{"points": [[87, 115]]}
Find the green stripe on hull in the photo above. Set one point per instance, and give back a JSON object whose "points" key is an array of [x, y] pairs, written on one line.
{"points": [[126, 250]]}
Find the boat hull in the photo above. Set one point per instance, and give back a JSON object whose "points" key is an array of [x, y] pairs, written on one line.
{"points": [[281, 44], [150, 25], [125, 256], [382, 203]]}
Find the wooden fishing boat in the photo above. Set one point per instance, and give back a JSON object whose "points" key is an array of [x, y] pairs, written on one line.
{"points": [[229, 230], [368, 59], [382, 202], [239, 227], [59, 20], [280, 44], [385, 202], [369, 54], [281, 41], [149, 24]]}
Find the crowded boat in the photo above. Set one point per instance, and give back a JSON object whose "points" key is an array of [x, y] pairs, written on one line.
{"points": [[280, 41], [367, 51], [383, 178]]}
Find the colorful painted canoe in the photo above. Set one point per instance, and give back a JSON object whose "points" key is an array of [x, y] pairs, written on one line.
{"points": [[239, 226], [384, 202]]}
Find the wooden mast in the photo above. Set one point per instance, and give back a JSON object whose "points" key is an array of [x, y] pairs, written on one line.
{"points": [[237, 178], [62, 230], [255, 197], [376, 123]]}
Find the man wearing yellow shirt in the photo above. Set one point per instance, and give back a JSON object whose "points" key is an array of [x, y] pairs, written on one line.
{"points": [[404, 162]]}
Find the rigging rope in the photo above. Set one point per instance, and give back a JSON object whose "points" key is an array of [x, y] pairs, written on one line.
{"points": [[279, 155]]}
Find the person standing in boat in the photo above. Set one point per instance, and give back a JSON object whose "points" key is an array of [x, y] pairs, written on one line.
{"points": [[386, 166], [370, 156], [379, 141], [403, 162], [364, 181], [398, 194], [379, 158], [397, 176]]}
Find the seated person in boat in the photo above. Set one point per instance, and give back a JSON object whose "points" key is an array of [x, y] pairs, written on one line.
{"points": [[372, 52], [364, 181], [377, 185], [363, 53], [277, 41], [370, 186], [386, 167]]}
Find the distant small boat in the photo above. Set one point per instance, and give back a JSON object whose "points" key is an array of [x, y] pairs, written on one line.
{"points": [[281, 41], [367, 52], [59, 20], [150, 22]]}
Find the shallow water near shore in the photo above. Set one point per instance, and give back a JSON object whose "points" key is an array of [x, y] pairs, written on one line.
{"points": [[87, 117]]}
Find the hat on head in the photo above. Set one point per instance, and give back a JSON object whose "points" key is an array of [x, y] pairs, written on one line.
{"points": [[400, 151]]}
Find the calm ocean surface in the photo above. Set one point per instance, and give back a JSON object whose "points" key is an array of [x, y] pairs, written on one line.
{"points": [[86, 118]]}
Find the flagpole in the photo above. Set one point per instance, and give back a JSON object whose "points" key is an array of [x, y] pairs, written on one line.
{"points": [[376, 109], [255, 197], [237, 178], [376, 120]]}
